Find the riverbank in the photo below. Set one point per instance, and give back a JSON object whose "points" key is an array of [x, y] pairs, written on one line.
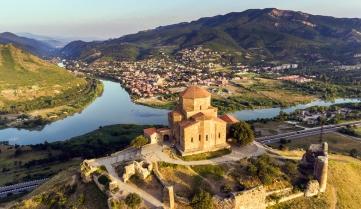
{"points": [[52, 108]]}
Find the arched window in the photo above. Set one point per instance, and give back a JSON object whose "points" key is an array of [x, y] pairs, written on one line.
{"points": [[192, 139], [200, 107], [206, 137], [219, 135], [199, 137]]}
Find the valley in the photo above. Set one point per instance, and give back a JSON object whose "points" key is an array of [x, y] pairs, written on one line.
{"points": [[157, 80], [259, 109]]}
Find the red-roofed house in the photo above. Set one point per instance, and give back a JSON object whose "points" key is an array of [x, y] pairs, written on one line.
{"points": [[151, 134]]}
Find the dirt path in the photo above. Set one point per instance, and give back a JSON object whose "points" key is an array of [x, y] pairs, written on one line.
{"points": [[333, 199]]}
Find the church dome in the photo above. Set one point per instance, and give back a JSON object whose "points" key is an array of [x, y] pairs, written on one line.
{"points": [[193, 92]]}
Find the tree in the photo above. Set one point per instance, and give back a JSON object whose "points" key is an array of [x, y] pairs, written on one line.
{"points": [[282, 116], [242, 133], [133, 200], [226, 188], [202, 200], [18, 152], [139, 141], [354, 153]]}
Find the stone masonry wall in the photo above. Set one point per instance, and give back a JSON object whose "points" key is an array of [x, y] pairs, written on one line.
{"points": [[251, 199]]}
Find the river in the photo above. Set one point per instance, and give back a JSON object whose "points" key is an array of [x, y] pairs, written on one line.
{"points": [[116, 107]]}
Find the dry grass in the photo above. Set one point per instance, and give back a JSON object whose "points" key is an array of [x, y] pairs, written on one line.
{"points": [[84, 196], [343, 189], [345, 178], [182, 179]]}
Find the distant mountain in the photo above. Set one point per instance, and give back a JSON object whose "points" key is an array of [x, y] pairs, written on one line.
{"points": [[55, 42], [39, 48], [250, 36]]}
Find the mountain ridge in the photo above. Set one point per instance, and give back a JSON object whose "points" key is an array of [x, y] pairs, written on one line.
{"points": [[262, 34], [36, 47]]}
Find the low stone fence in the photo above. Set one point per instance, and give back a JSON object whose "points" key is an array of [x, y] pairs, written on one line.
{"points": [[168, 192]]}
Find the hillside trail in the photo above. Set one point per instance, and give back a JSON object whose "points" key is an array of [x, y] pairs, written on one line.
{"points": [[333, 197]]}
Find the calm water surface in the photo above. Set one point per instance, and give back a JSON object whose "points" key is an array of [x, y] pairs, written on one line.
{"points": [[116, 107]]}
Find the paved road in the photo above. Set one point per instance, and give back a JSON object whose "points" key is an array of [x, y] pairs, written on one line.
{"points": [[20, 188], [303, 133]]}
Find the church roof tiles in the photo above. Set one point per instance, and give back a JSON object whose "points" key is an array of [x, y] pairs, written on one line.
{"points": [[195, 92]]}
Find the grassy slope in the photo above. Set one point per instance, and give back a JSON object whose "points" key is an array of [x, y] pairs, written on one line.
{"points": [[55, 194], [343, 191], [28, 83], [18, 173], [26, 77], [344, 175]]}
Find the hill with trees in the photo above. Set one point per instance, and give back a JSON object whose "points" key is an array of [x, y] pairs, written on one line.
{"points": [[31, 87], [39, 48], [253, 36]]}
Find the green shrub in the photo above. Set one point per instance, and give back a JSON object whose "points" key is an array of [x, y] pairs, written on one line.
{"points": [[264, 168], [354, 153], [133, 200], [139, 141], [226, 188], [214, 170], [242, 133], [202, 200]]}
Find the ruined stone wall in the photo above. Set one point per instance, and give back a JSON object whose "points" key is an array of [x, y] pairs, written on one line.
{"points": [[251, 199], [168, 191], [316, 157], [141, 169], [320, 171]]}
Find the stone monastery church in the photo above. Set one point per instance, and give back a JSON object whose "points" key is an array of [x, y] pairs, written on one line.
{"points": [[194, 125]]}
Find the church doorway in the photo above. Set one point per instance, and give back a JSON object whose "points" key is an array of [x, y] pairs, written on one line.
{"points": [[166, 138]]}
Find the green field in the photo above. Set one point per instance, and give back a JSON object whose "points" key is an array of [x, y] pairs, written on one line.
{"points": [[31, 85], [254, 91]]}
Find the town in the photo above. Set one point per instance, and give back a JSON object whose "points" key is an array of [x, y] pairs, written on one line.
{"points": [[165, 75]]}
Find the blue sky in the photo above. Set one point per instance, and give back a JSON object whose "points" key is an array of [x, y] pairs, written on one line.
{"points": [[113, 18]]}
